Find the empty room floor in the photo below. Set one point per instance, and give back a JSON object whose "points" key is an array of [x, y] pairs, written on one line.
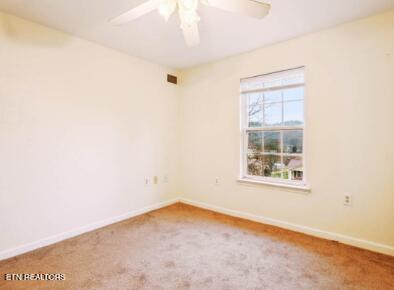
{"points": [[183, 247]]}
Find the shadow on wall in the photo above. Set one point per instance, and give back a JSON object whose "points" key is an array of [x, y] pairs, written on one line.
{"points": [[23, 32]]}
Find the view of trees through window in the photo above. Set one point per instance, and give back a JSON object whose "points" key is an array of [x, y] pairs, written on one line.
{"points": [[274, 125]]}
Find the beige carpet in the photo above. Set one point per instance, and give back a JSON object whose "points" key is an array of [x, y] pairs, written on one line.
{"points": [[182, 247]]}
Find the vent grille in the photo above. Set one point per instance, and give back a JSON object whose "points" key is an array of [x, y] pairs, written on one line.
{"points": [[172, 79]]}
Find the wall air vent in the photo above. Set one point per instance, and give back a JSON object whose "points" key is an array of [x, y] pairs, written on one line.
{"points": [[172, 79]]}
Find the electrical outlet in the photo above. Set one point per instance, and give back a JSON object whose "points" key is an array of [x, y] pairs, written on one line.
{"points": [[217, 181], [146, 181], [348, 200], [165, 179], [155, 180]]}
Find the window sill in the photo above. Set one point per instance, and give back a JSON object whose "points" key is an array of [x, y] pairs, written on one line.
{"points": [[303, 188]]}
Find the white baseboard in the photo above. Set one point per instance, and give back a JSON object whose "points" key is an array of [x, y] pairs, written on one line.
{"points": [[364, 244], [91, 227]]}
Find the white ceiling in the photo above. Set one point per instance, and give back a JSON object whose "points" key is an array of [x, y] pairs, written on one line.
{"points": [[222, 34]]}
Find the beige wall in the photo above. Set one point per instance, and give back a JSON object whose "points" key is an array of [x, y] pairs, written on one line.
{"points": [[349, 134], [80, 128]]}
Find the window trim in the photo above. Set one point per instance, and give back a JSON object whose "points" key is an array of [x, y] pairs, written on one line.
{"points": [[244, 129]]}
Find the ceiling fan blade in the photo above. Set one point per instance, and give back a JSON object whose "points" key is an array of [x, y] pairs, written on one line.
{"points": [[250, 8], [136, 12], [191, 34]]}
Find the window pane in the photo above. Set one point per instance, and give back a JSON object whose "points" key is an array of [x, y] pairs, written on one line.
{"points": [[292, 141], [255, 142], [255, 165], [273, 96], [294, 169], [293, 94], [272, 142], [293, 113], [271, 166], [273, 114], [255, 110]]}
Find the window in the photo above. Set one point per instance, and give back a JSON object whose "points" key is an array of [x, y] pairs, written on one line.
{"points": [[273, 127]]}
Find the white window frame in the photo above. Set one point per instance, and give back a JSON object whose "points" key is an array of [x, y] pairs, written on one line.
{"points": [[244, 177]]}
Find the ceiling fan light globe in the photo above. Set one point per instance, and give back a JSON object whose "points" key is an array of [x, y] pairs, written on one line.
{"points": [[167, 8]]}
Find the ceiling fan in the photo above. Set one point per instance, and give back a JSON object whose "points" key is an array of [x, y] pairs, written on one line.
{"points": [[187, 10]]}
